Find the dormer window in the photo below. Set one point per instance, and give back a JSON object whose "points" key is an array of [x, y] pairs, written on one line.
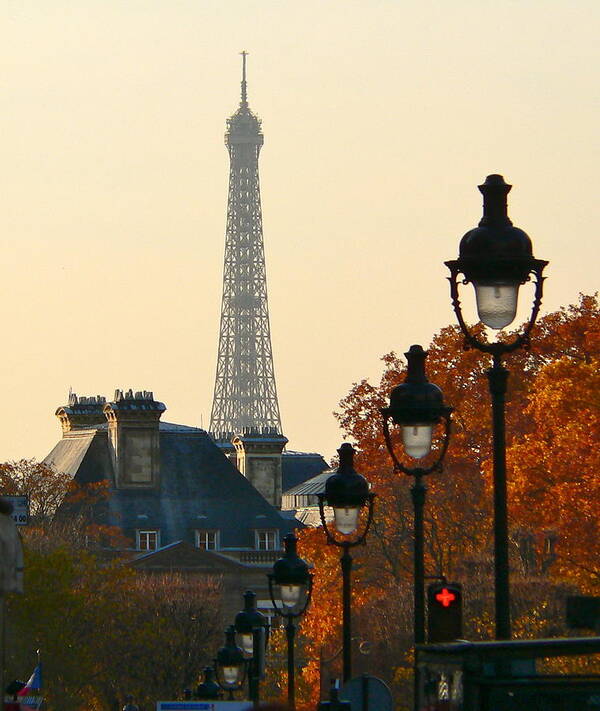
{"points": [[148, 540], [207, 539], [266, 539]]}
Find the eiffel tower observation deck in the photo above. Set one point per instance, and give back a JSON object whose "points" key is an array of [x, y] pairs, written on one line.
{"points": [[245, 394]]}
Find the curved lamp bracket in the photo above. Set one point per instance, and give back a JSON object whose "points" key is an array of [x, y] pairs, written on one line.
{"points": [[498, 348], [286, 612], [418, 471], [360, 537]]}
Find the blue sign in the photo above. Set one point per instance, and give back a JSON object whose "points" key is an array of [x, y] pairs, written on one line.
{"points": [[203, 706]]}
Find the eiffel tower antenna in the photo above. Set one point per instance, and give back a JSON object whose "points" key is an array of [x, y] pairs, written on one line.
{"points": [[245, 395], [244, 92]]}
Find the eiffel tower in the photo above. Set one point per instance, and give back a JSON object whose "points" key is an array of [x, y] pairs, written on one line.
{"points": [[245, 395]]}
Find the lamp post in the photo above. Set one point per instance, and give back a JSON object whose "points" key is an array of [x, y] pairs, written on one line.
{"points": [[251, 626], [416, 406], [290, 575], [497, 258], [347, 492], [230, 664]]}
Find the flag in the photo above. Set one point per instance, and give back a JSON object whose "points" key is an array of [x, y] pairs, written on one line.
{"points": [[34, 683], [29, 701]]}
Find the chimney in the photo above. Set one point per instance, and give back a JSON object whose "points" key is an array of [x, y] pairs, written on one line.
{"points": [[134, 439], [259, 460], [81, 412]]}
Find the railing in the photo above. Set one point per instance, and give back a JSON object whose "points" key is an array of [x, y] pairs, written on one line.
{"points": [[259, 557]]}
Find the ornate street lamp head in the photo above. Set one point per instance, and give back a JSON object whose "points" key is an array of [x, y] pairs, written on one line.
{"points": [[292, 577], [230, 663], [247, 621], [347, 492], [496, 257], [208, 689], [416, 406]]}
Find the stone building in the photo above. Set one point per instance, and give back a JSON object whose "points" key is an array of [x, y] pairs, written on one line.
{"points": [[179, 496], [168, 482]]}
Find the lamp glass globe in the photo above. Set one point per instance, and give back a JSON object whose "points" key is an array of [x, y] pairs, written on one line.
{"points": [[290, 594], [417, 440], [346, 519], [247, 643], [497, 303], [231, 675]]}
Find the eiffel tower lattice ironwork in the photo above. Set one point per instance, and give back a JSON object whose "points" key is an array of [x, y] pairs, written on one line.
{"points": [[245, 395]]}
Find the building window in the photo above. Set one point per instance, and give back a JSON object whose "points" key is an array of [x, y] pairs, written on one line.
{"points": [[266, 540], [207, 540], [148, 540]]}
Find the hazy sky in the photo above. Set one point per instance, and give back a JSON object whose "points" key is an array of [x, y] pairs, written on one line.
{"points": [[380, 119]]}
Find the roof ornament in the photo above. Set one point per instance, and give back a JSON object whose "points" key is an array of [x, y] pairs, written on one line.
{"points": [[244, 101]]}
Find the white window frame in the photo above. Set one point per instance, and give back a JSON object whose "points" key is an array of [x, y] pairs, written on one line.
{"points": [[147, 533], [265, 545], [204, 533]]}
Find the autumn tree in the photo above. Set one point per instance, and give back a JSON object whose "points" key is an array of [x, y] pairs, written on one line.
{"points": [[62, 511], [555, 488], [45, 487], [105, 630], [553, 435]]}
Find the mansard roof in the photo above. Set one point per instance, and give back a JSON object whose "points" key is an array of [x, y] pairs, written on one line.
{"points": [[199, 488]]}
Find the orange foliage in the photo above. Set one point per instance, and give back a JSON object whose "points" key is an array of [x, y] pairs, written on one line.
{"points": [[553, 440]]}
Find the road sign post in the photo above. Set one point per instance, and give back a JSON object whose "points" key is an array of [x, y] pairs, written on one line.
{"points": [[20, 512]]}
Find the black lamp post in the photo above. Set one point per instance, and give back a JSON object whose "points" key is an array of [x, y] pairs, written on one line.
{"points": [[294, 583], [251, 626], [347, 492], [416, 406], [497, 258], [230, 664]]}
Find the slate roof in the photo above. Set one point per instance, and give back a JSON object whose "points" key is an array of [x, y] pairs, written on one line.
{"points": [[297, 467], [183, 555], [199, 488], [313, 486]]}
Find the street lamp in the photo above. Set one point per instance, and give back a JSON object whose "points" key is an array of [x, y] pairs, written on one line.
{"points": [[208, 690], [497, 258], [251, 626], [347, 492], [294, 584], [230, 664], [417, 406]]}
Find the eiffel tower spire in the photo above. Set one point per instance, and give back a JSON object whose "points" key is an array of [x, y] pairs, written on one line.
{"points": [[245, 395]]}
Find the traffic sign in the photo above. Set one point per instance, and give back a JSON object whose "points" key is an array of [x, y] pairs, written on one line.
{"points": [[20, 512]]}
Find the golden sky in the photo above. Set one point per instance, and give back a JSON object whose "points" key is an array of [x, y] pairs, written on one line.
{"points": [[380, 119]]}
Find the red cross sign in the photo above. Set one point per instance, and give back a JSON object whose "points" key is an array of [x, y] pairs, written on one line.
{"points": [[445, 597]]}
